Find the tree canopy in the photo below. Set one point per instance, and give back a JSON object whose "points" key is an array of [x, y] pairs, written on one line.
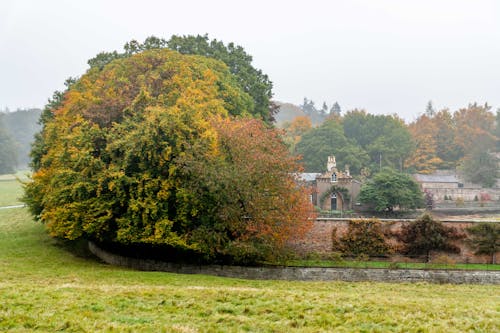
{"points": [[389, 189], [358, 139], [159, 148], [447, 140], [251, 80], [329, 139]]}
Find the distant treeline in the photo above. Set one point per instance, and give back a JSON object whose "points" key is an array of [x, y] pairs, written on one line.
{"points": [[17, 130], [466, 140]]}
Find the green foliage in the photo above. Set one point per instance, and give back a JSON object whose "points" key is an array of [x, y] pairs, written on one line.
{"points": [[335, 189], [249, 79], [328, 139], [357, 139], [485, 239], [426, 234], [385, 139], [389, 189], [38, 147], [481, 167], [144, 152], [363, 237]]}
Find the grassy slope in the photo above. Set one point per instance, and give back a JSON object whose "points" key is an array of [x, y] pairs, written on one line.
{"points": [[43, 287], [10, 192]]}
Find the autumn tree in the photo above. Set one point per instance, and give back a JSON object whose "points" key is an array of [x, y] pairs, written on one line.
{"points": [[485, 239], [425, 235], [295, 129], [253, 197], [424, 159], [389, 189], [474, 127], [446, 149], [250, 79], [137, 153]]}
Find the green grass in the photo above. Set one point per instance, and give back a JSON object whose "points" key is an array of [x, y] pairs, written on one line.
{"points": [[45, 288], [10, 192]]}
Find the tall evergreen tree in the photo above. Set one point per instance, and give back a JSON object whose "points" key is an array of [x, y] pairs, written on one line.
{"points": [[429, 110], [335, 109]]}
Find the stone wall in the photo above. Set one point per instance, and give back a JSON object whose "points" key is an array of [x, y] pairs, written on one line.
{"points": [[464, 193], [319, 238], [306, 274]]}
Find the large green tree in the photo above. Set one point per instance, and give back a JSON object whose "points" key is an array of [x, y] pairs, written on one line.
{"points": [[389, 189], [385, 139], [250, 79], [138, 153], [329, 139]]}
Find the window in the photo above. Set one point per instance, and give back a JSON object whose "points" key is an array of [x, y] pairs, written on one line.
{"points": [[334, 177]]}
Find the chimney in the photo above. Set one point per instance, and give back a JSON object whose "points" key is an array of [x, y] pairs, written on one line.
{"points": [[331, 164]]}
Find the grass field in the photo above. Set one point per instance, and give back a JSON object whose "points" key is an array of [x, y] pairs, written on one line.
{"points": [[45, 288]]}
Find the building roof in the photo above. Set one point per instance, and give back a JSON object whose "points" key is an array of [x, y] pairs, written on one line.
{"points": [[436, 178], [308, 176]]}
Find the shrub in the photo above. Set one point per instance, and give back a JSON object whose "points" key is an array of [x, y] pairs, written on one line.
{"points": [[426, 234], [363, 236], [443, 259], [485, 239]]}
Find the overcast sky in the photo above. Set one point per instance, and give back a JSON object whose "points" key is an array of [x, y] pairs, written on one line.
{"points": [[389, 56]]}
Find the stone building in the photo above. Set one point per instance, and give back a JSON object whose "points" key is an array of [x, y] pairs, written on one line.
{"points": [[333, 189], [447, 188]]}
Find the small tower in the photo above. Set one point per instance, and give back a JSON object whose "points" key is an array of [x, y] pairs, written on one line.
{"points": [[331, 164]]}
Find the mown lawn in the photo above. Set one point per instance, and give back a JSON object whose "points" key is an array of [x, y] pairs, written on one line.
{"points": [[43, 287], [10, 192]]}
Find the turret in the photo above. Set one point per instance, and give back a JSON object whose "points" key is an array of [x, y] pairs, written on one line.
{"points": [[331, 164]]}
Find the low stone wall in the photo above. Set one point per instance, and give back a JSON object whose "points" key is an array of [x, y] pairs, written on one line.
{"points": [[319, 238], [305, 274]]}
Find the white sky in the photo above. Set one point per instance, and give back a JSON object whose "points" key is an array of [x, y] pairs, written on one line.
{"points": [[387, 56]]}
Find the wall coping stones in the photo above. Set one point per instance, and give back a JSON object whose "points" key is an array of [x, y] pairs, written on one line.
{"points": [[304, 273], [340, 219]]}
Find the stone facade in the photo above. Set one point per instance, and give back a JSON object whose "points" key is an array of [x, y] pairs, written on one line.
{"points": [[447, 188], [334, 189]]}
